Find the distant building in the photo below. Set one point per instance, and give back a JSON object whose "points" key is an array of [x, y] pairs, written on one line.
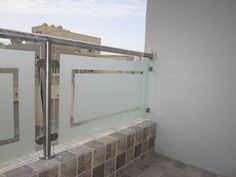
{"points": [[56, 49], [59, 31]]}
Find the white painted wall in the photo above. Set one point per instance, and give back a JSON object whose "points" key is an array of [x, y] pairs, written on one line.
{"points": [[194, 80]]}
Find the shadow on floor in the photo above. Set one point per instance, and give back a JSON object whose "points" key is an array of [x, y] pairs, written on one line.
{"points": [[157, 165]]}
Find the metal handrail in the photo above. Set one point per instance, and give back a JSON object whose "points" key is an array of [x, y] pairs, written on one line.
{"points": [[33, 37]]}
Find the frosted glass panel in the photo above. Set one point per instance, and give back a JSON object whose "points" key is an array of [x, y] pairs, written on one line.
{"points": [[97, 94], [17, 112], [6, 107]]}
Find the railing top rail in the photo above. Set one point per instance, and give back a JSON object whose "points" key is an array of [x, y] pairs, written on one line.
{"points": [[33, 37]]}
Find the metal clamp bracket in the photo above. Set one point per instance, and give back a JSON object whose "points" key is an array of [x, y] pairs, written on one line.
{"points": [[148, 110], [53, 63], [41, 139]]}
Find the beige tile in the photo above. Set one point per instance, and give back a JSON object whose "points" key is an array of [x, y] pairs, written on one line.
{"points": [[80, 150], [98, 152], [69, 168], [137, 150], [137, 161], [23, 171], [53, 172], [46, 168], [138, 134], [120, 172], [121, 142], [120, 161], [84, 162], [65, 156], [68, 164], [110, 143], [129, 155], [99, 171], [110, 150], [110, 166], [112, 175], [130, 134], [151, 142], [129, 166], [86, 174], [144, 147]]}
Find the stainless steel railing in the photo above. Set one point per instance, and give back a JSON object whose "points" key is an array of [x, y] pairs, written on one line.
{"points": [[48, 41]]}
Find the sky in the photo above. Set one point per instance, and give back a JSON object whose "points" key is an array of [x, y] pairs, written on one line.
{"points": [[120, 23]]}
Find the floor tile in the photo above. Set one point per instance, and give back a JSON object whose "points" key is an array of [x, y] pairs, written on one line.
{"points": [[153, 172], [208, 174], [179, 165], [161, 162], [125, 175], [177, 168], [136, 172], [144, 167], [193, 171], [166, 174]]}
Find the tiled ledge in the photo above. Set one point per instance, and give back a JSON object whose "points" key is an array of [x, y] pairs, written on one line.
{"points": [[110, 155]]}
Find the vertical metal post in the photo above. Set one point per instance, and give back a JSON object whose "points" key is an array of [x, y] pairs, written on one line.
{"points": [[47, 102]]}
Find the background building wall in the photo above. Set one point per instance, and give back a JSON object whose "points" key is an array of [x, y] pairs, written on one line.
{"points": [[194, 80]]}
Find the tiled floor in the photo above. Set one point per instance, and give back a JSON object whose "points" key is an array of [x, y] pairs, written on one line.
{"points": [[157, 165]]}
